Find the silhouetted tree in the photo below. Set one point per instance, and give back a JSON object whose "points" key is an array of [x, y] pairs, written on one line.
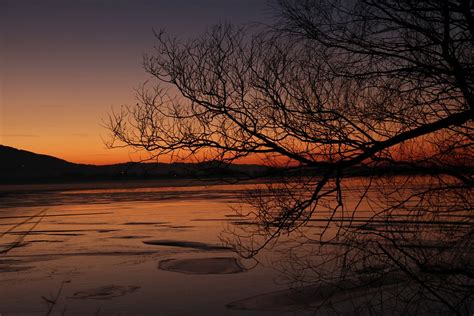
{"points": [[333, 87]]}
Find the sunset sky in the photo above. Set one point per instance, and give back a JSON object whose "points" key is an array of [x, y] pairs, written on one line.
{"points": [[64, 64]]}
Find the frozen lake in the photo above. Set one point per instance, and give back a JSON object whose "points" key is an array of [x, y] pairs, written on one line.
{"points": [[101, 248], [139, 249]]}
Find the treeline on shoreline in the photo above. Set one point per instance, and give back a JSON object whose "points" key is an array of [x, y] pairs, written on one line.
{"points": [[18, 167]]}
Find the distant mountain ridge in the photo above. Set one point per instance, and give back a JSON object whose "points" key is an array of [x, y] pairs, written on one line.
{"points": [[19, 157], [21, 166], [18, 166]]}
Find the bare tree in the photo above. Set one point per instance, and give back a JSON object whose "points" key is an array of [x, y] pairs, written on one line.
{"points": [[333, 87]]}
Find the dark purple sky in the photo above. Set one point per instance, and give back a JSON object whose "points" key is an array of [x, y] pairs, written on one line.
{"points": [[65, 63]]}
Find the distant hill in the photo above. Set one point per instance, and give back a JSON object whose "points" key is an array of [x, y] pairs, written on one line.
{"points": [[20, 166], [18, 159]]}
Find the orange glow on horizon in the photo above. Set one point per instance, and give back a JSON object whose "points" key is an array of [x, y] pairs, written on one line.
{"points": [[80, 149]]}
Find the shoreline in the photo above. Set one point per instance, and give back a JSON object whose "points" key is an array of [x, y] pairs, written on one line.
{"points": [[123, 184]]}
